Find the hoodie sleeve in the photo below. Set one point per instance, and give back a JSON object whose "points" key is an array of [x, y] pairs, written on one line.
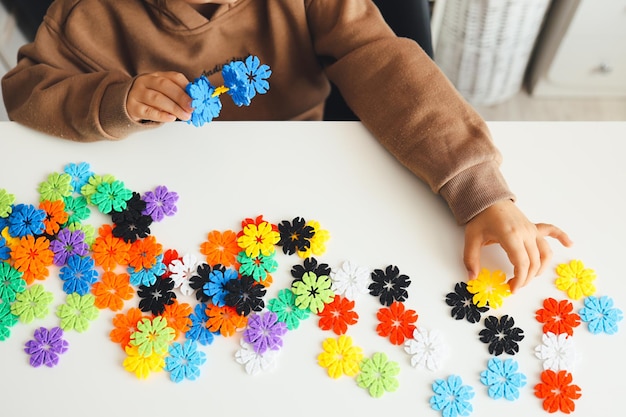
{"points": [[409, 105], [57, 89]]}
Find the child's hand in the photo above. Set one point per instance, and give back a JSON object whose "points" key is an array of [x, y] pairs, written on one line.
{"points": [[523, 241], [159, 97]]}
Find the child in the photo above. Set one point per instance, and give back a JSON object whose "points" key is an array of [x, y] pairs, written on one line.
{"points": [[103, 69]]}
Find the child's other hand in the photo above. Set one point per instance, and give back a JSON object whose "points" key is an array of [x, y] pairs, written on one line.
{"points": [[159, 97], [523, 241]]}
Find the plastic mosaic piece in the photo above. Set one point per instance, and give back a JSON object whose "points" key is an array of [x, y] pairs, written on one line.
{"points": [[199, 330], [338, 315], [7, 320], [112, 290], [178, 317], [502, 378], [32, 304], [11, 283], [489, 288], [160, 203], [181, 272], [109, 252], [155, 297], [46, 347], [55, 215], [89, 189], [600, 315], [396, 322], [557, 352], [258, 267], [318, 241], [451, 397], [221, 248], [152, 336], [557, 391], [130, 224], [242, 81], [256, 239], [142, 366], [501, 335], [184, 361], [557, 317], [215, 288], [340, 357], [78, 312], [6, 202], [350, 280], [200, 279], [204, 101], [32, 256], [225, 320], [5, 250], [236, 84], [576, 280], [254, 363], [310, 265], [125, 325], [78, 275], [169, 255], [68, 243], [77, 209], [255, 73], [245, 295], [264, 332], [284, 305], [313, 292], [389, 285], [79, 173], [378, 375], [111, 196], [10, 241], [295, 235], [25, 220], [462, 304], [148, 276], [143, 253], [87, 229], [56, 186], [427, 349]]}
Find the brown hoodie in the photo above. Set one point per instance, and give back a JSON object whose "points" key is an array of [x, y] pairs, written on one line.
{"points": [[72, 82]]}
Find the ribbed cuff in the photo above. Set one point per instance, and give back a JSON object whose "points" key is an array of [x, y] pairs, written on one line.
{"points": [[475, 189], [114, 119]]}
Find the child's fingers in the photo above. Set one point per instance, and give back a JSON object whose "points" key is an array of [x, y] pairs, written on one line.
{"points": [[554, 232], [158, 98], [471, 255]]}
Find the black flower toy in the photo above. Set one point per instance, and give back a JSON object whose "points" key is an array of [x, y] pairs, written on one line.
{"points": [[389, 285], [501, 335], [462, 305]]}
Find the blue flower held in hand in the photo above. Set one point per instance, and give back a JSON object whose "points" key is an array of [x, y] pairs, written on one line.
{"points": [[206, 104], [600, 315], [242, 81], [239, 89], [452, 397], [257, 75], [503, 379]]}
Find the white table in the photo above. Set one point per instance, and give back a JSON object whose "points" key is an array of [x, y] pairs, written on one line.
{"points": [[570, 174]]}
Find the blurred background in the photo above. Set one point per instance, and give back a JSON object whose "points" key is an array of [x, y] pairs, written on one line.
{"points": [[511, 59]]}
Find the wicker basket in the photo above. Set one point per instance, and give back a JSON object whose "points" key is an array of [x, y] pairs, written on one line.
{"points": [[484, 46]]}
